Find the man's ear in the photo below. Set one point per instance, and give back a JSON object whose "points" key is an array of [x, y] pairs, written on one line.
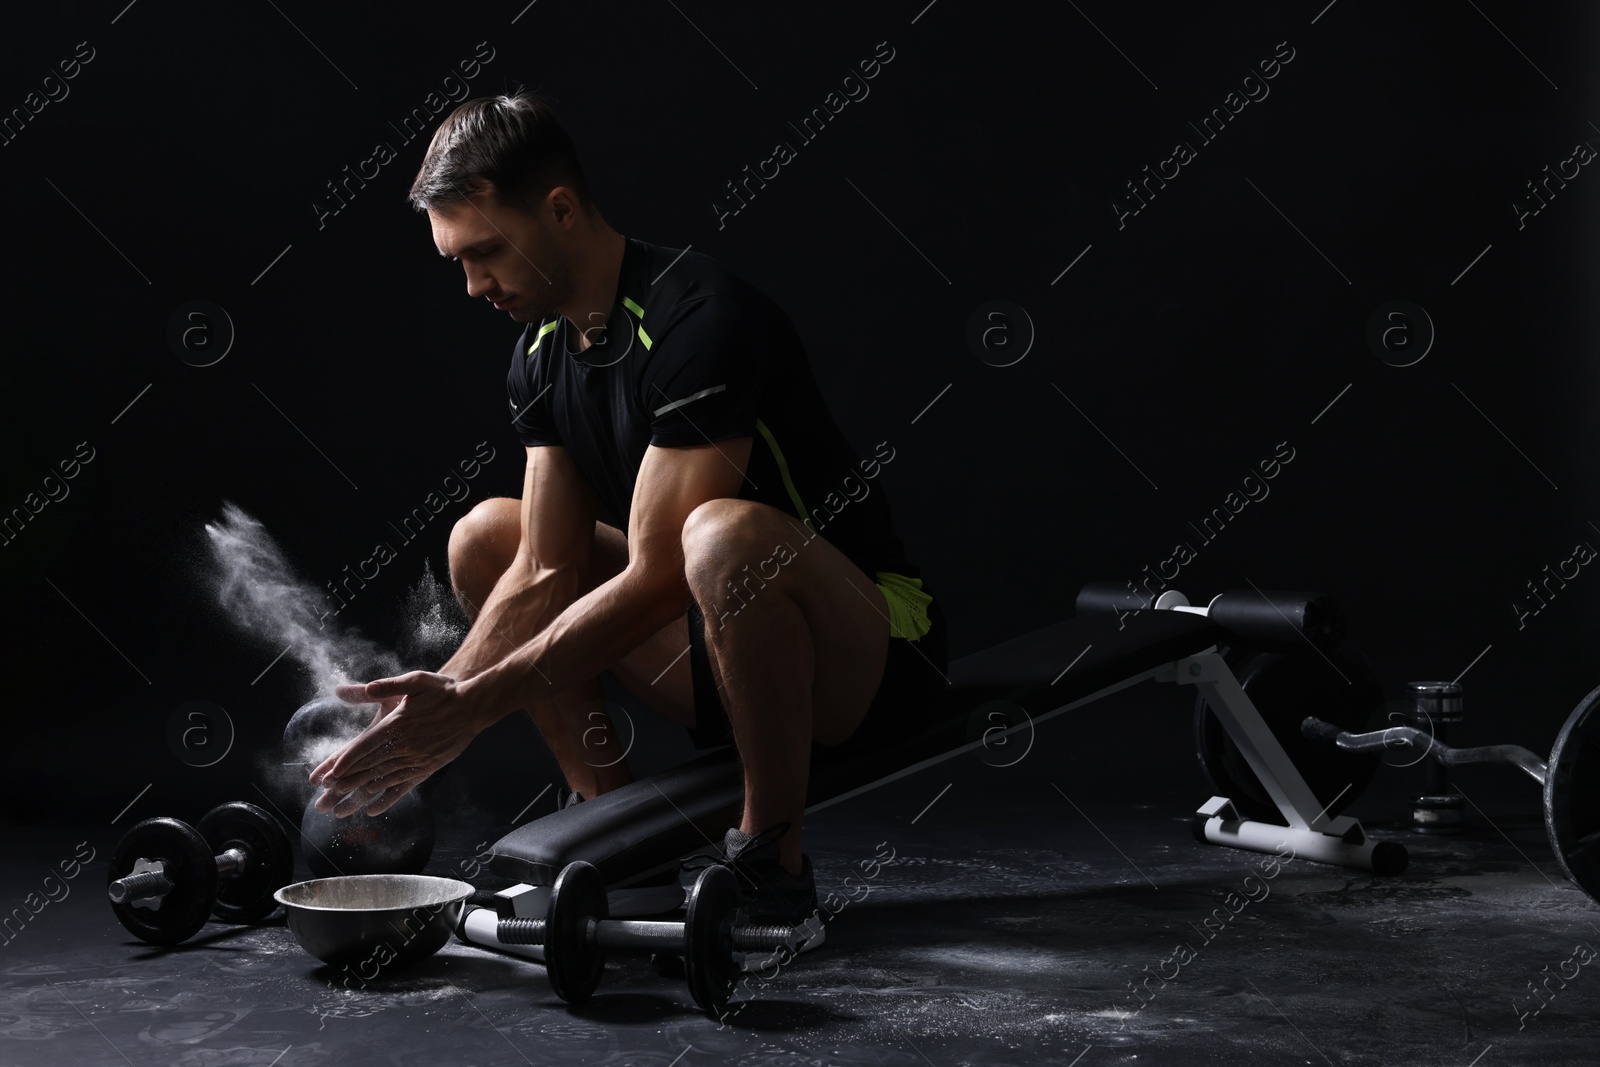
{"points": [[561, 207]]}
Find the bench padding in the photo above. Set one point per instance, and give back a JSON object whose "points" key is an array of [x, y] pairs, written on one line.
{"points": [[652, 823]]}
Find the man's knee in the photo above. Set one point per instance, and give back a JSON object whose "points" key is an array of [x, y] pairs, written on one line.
{"points": [[712, 535], [480, 547], [732, 539], [472, 532]]}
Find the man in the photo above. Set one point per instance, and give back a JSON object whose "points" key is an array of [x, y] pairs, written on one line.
{"points": [[759, 593]]}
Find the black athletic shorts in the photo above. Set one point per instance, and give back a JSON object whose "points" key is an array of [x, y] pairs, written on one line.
{"points": [[907, 697]]}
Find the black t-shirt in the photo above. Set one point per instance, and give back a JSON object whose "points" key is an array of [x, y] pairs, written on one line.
{"points": [[693, 354]]}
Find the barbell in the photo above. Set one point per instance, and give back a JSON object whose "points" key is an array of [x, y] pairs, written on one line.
{"points": [[1570, 777]]}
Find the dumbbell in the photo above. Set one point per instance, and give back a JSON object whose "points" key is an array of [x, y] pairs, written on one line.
{"points": [[166, 877], [575, 934], [1435, 709]]}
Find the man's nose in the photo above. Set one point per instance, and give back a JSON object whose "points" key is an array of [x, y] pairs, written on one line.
{"points": [[479, 284]]}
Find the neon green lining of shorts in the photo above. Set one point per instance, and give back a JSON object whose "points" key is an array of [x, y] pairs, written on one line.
{"points": [[908, 605]]}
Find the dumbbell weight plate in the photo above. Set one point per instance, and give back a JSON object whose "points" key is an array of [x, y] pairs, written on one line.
{"points": [[708, 960], [1285, 689], [246, 896], [572, 958], [1572, 796], [189, 865]]}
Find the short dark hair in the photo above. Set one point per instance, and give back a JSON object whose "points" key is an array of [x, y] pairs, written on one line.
{"points": [[512, 144]]}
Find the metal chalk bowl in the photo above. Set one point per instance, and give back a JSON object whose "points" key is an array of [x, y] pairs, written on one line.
{"points": [[373, 921]]}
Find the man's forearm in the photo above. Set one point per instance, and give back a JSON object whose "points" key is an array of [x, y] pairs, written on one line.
{"points": [[593, 632], [523, 601]]}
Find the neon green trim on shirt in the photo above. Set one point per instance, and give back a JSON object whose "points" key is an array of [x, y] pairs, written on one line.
{"points": [[783, 469], [633, 306], [908, 605], [546, 328]]}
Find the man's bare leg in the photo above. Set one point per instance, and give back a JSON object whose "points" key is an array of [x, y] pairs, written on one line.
{"points": [[798, 643]]}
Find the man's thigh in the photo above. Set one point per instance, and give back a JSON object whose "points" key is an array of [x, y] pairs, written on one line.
{"points": [[845, 612]]}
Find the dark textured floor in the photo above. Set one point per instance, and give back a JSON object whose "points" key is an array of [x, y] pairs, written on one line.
{"points": [[1021, 904]]}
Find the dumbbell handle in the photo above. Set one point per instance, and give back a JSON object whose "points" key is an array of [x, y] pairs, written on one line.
{"points": [[157, 884], [642, 934], [1410, 737]]}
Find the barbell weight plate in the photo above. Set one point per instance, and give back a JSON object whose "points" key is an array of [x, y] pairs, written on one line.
{"points": [[189, 865], [708, 960], [573, 959], [1572, 796], [1342, 689], [246, 896]]}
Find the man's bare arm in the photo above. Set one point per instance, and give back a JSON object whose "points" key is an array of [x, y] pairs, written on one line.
{"points": [[616, 616], [432, 717], [547, 572]]}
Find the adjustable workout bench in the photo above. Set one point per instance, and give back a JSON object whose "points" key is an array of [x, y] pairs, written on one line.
{"points": [[1117, 639]]}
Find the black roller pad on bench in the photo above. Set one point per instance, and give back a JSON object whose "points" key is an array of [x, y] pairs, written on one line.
{"points": [[650, 824], [1270, 620]]}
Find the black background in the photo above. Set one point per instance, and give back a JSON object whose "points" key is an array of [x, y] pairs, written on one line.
{"points": [[1171, 358]]}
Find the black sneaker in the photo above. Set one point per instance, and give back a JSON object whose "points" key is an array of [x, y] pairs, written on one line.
{"points": [[772, 896]]}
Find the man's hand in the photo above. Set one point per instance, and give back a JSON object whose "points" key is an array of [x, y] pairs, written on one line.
{"points": [[424, 721]]}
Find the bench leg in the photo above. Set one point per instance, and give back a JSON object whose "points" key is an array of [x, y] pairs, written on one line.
{"points": [[1311, 833]]}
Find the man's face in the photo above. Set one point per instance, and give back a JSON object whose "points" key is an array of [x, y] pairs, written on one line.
{"points": [[511, 258]]}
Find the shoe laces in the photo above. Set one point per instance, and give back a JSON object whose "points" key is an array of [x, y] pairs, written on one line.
{"points": [[737, 862]]}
